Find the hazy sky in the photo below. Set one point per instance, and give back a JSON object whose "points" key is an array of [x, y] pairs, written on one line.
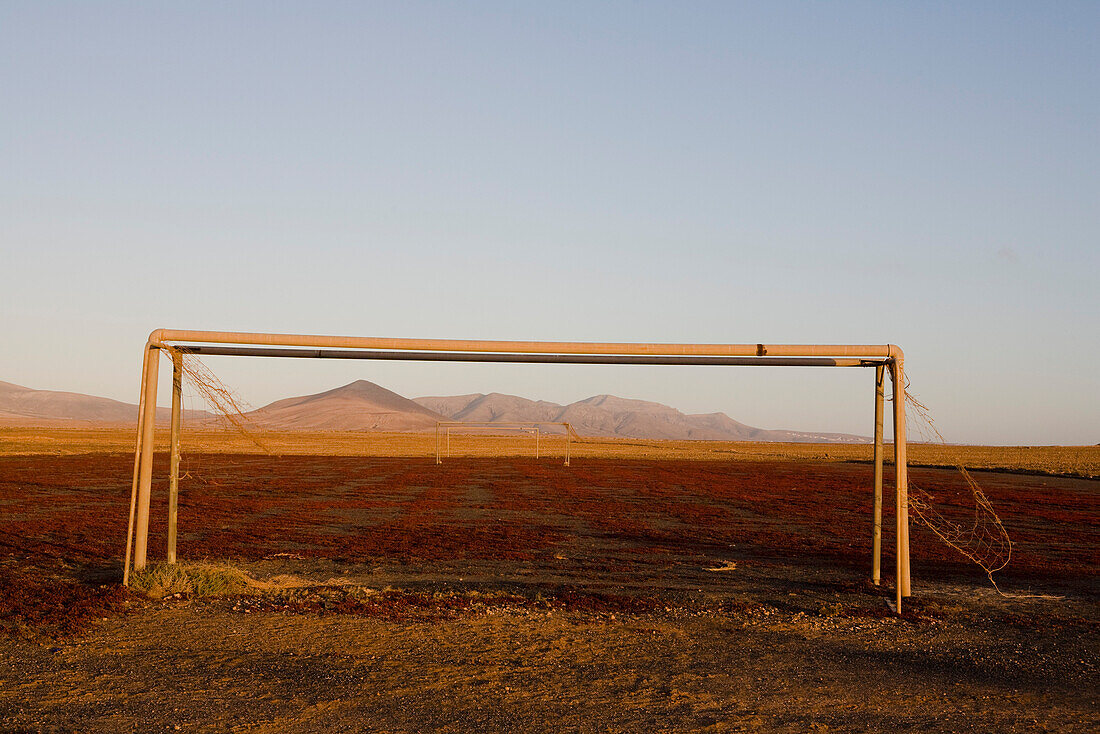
{"points": [[926, 174]]}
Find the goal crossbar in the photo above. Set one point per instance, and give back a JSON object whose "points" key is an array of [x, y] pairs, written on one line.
{"points": [[525, 358], [176, 343]]}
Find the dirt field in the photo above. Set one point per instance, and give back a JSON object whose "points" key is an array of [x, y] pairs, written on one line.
{"points": [[619, 594]]}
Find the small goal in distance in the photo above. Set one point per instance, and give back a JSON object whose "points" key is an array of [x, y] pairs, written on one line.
{"points": [[176, 343], [533, 428]]}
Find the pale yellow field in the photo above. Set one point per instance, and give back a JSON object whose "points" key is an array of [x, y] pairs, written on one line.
{"points": [[1082, 461]]}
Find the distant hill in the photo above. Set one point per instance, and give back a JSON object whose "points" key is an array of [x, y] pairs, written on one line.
{"points": [[359, 406], [26, 406], [494, 407], [365, 406], [608, 415]]}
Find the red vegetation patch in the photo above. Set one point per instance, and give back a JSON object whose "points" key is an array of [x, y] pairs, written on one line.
{"points": [[651, 523], [32, 601]]}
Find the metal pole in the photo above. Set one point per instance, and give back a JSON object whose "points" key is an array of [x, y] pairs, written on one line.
{"points": [[438, 455], [884, 351], [568, 441], [522, 357], [536, 442], [901, 479], [137, 459], [448, 443], [876, 536], [174, 462], [145, 473]]}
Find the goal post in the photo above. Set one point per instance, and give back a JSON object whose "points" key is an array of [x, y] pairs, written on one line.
{"points": [[535, 428], [177, 343]]}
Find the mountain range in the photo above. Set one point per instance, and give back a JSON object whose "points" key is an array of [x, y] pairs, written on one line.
{"points": [[365, 406], [608, 415], [23, 406]]}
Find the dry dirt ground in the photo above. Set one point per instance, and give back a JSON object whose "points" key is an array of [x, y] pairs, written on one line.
{"points": [[506, 594]]}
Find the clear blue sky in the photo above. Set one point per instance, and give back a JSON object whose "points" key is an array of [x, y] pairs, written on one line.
{"points": [[926, 174]]}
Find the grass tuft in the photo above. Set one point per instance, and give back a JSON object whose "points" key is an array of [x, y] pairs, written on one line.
{"points": [[195, 579]]}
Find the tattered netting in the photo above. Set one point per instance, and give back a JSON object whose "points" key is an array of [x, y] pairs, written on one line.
{"points": [[226, 406], [965, 521]]}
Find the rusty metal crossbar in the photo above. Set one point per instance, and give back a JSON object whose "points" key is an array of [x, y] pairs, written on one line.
{"points": [[430, 356]]}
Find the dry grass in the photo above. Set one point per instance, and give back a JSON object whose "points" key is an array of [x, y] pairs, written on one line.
{"points": [[194, 579], [1082, 461], [206, 578]]}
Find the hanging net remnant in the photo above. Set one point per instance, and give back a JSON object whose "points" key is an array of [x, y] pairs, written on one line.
{"points": [[228, 408], [973, 529]]}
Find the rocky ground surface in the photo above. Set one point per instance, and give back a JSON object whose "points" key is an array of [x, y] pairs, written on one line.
{"points": [[354, 658], [511, 596]]}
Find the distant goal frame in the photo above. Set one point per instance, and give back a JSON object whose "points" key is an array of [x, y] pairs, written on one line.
{"points": [[533, 427], [176, 343]]}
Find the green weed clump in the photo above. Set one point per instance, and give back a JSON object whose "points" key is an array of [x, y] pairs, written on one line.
{"points": [[194, 579]]}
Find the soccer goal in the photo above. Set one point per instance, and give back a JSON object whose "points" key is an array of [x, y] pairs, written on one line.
{"points": [[536, 430], [176, 344]]}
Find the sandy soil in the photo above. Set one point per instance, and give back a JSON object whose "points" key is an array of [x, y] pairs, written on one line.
{"points": [[509, 594]]}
